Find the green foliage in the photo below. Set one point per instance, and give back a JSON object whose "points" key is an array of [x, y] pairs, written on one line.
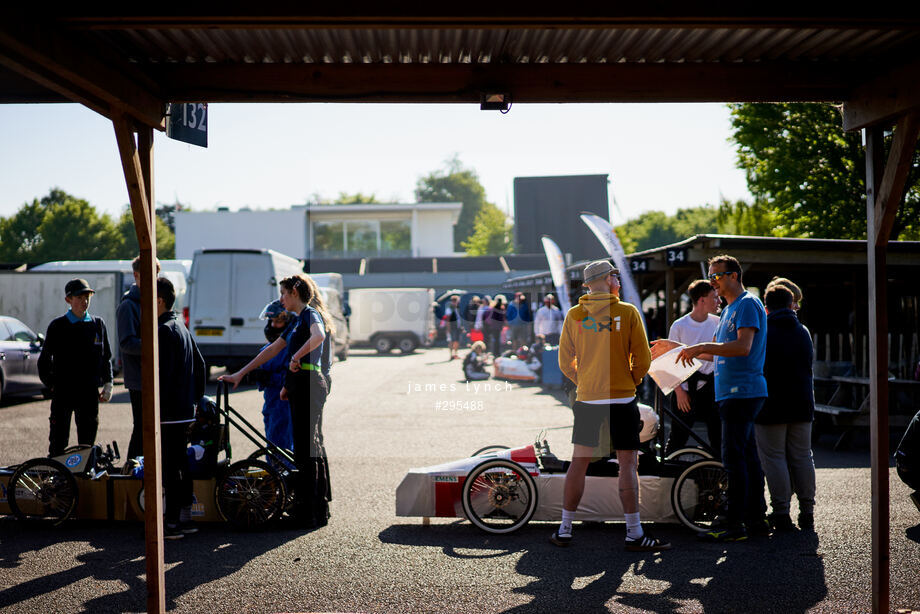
{"points": [[748, 219], [355, 199], [492, 233], [810, 173], [128, 247], [62, 227], [454, 183], [656, 228]]}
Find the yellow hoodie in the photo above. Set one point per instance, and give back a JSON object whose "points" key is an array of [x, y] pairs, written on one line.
{"points": [[604, 348]]}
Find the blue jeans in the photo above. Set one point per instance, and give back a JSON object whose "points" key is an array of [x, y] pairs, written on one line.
{"points": [[739, 455]]}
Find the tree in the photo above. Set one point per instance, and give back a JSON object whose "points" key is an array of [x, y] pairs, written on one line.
{"points": [[74, 230], [749, 219], [19, 235], [492, 233], [809, 173], [357, 198], [454, 183], [57, 227], [128, 247], [657, 228]]}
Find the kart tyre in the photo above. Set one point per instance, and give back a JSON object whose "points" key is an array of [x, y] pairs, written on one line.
{"points": [[494, 448], [284, 466], [42, 490], [688, 455], [250, 494], [699, 494], [499, 496]]}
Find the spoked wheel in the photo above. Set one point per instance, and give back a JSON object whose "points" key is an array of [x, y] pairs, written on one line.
{"points": [[489, 449], [688, 455], [284, 467], [250, 494], [42, 489], [499, 496], [699, 495]]}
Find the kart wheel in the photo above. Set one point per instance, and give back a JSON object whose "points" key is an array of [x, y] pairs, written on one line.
{"points": [[499, 496], [250, 494], [688, 455], [495, 448], [699, 494], [42, 489]]}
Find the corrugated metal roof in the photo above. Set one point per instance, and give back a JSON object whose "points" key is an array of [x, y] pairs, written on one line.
{"points": [[516, 46]]}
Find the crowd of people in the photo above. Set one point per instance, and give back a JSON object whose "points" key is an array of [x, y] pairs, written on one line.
{"points": [[294, 374], [754, 391]]}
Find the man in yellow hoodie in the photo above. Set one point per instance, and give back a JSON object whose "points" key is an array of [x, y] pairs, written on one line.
{"points": [[605, 351]]}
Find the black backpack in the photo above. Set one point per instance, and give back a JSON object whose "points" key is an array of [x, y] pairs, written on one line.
{"points": [[907, 456]]}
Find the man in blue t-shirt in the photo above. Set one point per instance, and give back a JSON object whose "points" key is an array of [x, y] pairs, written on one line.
{"points": [[739, 349]]}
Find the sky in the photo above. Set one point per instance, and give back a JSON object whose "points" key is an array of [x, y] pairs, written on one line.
{"points": [[657, 156]]}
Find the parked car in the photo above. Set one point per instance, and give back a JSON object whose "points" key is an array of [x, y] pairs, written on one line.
{"points": [[19, 350]]}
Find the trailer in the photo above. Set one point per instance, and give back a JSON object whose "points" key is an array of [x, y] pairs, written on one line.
{"points": [[388, 318]]}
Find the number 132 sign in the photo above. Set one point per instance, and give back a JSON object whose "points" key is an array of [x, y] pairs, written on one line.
{"points": [[188, 122]]}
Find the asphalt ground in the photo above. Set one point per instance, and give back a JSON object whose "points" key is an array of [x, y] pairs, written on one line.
{"points": [[368, 560]]}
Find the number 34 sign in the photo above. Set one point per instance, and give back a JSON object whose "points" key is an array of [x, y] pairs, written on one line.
{"points": [[188, 123]]}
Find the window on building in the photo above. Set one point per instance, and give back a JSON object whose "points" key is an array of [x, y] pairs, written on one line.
{"points": [[329, 236], [395, 235], [361, 237]]}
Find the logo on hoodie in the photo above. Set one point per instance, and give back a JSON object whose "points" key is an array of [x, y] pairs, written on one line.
{"points": [[605, 323]]}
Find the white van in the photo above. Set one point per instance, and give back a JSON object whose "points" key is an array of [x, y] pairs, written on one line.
{"points": [[387, 318], [228, 288]]}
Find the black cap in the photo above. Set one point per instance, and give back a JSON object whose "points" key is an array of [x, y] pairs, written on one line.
{"points": [[76, 287]]}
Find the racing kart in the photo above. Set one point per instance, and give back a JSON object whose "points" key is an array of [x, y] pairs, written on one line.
{"points": [[500, 489]]}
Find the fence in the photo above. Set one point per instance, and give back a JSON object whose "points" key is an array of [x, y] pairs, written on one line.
{"points": [[838, 352]]}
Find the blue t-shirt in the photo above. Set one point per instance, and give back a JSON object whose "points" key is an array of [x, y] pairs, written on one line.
{"points": [[741, 377], [299, 332]]}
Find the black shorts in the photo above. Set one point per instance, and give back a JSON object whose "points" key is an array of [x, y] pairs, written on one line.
{"points": [[623, 419]]}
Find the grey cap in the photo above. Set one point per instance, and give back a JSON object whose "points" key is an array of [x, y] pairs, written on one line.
{"points": [[598, 269]]}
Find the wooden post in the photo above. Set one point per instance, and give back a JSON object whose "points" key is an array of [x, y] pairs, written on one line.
{"points": [[878, 386], [884, 191], [137, 163]]}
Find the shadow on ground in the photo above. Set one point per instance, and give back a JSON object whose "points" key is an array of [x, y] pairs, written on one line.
{"points": [[116, 553], [784, 573]]}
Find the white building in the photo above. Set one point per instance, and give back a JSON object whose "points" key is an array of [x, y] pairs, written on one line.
{"points": [[325, 231]]}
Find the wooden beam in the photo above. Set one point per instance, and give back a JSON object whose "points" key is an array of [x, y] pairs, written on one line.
{"points": [[50, 58], [894, 181], [665, 14], [137, 162], [878, 372], [421, 82], [881, 100]]}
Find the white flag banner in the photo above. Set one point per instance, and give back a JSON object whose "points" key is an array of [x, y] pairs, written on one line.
{"points": [[557, 270], [608, 238]]}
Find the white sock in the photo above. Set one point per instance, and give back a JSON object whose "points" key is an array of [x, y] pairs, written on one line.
{"points": [[566, 527], [633, 526]]}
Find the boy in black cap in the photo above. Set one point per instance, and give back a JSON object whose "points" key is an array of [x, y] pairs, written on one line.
{"points": [[75, 362]]}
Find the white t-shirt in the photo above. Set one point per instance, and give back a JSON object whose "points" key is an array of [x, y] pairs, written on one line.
{"points": [[688, 331]]}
